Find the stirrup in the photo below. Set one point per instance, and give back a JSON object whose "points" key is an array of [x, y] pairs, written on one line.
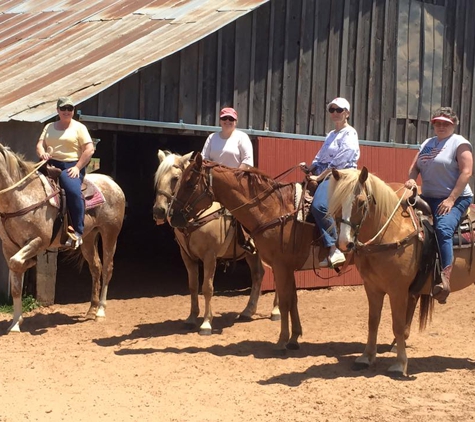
{"points": [[74, 240]]}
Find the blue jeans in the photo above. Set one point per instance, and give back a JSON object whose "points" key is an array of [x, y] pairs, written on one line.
{"points": [[72, 188], [319, 211], [445, 225]]}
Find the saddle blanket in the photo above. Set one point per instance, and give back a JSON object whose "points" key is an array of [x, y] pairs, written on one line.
{"points": [[93, 196]]}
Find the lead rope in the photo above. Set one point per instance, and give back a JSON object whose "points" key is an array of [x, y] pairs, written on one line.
{"points": [[388, 220]]}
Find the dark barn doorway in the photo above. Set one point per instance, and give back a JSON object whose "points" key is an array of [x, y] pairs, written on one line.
{"points": [[147, 261]]}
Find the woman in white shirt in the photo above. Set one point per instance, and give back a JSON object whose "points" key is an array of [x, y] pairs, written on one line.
{"points": [[230, 147]]}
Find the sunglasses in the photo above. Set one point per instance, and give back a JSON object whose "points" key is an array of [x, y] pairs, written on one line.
{"points": [[228, 118], [338, 110], [67, 108]]}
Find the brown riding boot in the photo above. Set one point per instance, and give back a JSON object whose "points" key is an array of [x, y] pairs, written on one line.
{"points": [[441, 291]]}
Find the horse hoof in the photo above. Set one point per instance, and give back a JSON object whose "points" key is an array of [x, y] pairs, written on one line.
{"points": [[243, 318], [293, 346], [396, 374], [275, 317], [359, 366], [189, 326], [280, 352], [205, 332]]}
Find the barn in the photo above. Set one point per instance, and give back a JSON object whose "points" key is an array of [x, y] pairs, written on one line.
{"points": [[153, 74]]}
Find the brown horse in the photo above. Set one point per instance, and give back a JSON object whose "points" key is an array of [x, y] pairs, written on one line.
{"points": [[377, 225], [26, 229], [206, 239], [266, 208]]}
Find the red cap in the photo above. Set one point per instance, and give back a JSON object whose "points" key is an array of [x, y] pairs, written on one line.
{"points": [[228, 111], [442, 119]]}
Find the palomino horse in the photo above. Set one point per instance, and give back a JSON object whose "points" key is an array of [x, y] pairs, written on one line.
{"points": [[267, 209], [26, 229], [377, 225], [206, 239]]}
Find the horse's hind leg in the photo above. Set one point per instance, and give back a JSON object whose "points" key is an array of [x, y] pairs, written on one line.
{"points": [[109, 243], [375, 303], [257, 274], [399, 306], [89, 250]]}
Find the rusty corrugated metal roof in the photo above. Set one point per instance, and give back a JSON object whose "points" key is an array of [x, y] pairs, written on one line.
{"points": [[79, 48]]}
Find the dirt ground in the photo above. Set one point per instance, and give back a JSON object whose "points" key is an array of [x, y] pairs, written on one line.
{"points": [[141, 364]]}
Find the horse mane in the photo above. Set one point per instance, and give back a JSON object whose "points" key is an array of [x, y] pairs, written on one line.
{"points": [[340, 190], [165, 165], [15, 164], [260, 181]]}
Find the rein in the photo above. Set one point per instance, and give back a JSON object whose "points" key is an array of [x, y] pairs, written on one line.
{"points": [[6, 215], [35, 168]]}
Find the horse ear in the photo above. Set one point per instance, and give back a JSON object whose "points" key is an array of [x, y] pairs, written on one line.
{"points": [[161, 156], [199, 160], [363, 175], [188, 156], [194, 154], [336, 174]]}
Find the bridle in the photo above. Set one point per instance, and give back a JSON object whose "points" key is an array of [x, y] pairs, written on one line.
{"points": [[357, 245], [188, 206]]}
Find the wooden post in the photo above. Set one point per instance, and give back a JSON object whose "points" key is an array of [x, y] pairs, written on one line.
{"points": [[46, 268]]}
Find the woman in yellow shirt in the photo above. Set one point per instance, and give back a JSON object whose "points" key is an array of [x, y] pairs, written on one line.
{"points": [[71, 149]]}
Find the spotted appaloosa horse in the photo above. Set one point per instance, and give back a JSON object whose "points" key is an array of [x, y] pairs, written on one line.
{"points": [[206, 239], [26, 229]]}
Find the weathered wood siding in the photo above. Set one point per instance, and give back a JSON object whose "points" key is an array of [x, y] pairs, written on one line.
{"points": [[396, 61]]}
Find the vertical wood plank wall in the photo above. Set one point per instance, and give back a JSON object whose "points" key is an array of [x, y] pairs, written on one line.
{"points": [[276, 155], [394, 60]]}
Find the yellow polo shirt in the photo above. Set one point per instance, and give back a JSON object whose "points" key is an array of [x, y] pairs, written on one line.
{"points": [[67, 144]]}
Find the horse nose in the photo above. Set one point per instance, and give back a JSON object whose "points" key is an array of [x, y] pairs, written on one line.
{"points": [[176, 220], [350, 246], [159, 213]]}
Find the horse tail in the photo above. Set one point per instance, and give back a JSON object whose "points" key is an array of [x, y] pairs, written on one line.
{"points": [[425, 311], [74, 258]]}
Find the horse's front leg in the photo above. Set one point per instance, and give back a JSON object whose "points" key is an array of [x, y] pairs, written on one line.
{"points": [[209, 268], [399, 306], [375, 305], [192, 268], [257, 274], [295, 319], [18, 264], [286, 291], [16, 286]]}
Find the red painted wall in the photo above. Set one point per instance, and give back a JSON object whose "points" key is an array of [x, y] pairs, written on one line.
{"points": [[276, 155]]}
